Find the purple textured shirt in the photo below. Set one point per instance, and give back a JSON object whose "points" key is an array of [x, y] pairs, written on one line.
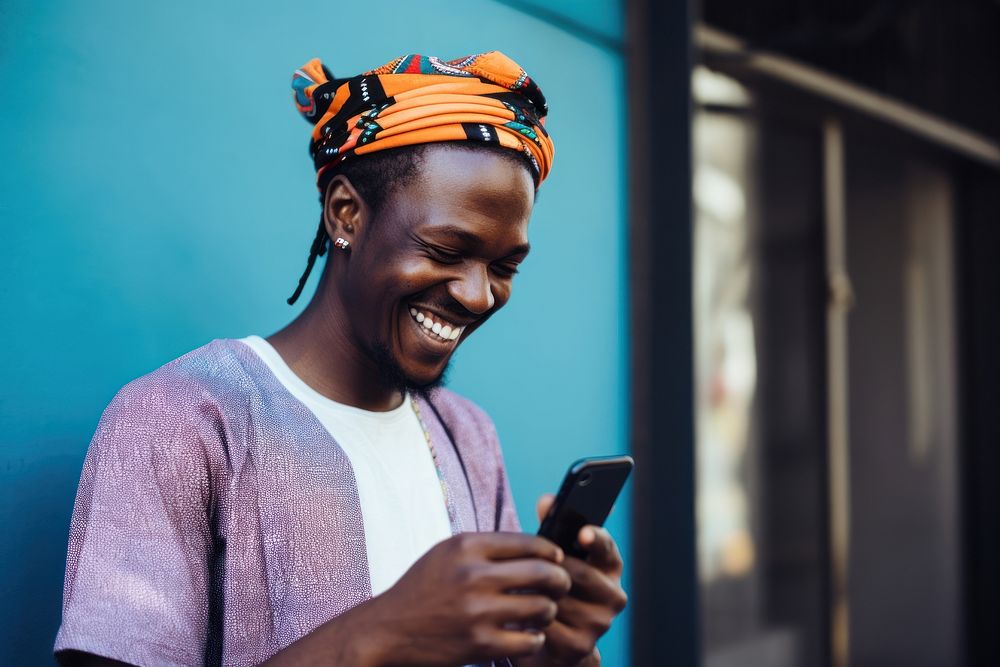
{"points": [[217, 521]]}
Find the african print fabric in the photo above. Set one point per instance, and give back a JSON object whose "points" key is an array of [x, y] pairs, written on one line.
{"points": [[417, 99]]}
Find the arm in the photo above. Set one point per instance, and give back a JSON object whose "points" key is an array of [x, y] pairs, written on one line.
{"points": [[454, 606], [137, 580]]}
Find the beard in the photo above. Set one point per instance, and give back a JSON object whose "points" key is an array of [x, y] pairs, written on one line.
{"points": [[392, 374]]}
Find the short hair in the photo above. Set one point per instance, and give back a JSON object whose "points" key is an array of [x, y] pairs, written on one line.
{"points": [[377, 175]]}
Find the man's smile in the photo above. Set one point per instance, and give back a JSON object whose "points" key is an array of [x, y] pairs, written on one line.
{"points": [[435, 327]]}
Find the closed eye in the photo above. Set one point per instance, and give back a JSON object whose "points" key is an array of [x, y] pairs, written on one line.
{"points": [[444, 256], [505, 270]]}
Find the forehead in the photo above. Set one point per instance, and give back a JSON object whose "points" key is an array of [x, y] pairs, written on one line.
{"points": [[467, 192]]}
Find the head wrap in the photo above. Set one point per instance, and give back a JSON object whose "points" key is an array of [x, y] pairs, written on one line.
{"points": [[418, 99]]}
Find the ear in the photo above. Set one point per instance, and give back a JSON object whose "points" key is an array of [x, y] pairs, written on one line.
{"points": [[345, 212]]}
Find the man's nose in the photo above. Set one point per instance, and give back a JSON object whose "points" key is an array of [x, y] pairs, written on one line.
{"points": [[473, 289]]}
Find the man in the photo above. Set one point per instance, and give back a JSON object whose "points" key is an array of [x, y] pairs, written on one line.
{"points": [[314, 498]]}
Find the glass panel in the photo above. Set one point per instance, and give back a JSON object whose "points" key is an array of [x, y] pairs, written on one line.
{"points": [[759, 366]]}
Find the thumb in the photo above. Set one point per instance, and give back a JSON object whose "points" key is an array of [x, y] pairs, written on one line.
{"points": [[544, 504]]}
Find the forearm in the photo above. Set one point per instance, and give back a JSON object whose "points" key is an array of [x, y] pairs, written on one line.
{"points": [[351, 639]]}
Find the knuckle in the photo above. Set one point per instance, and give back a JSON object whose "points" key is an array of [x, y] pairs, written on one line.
{"points": [[463, 542], [466, 574]]}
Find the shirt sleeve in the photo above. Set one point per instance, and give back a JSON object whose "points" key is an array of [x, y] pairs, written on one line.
{"points": [[137, 570]]}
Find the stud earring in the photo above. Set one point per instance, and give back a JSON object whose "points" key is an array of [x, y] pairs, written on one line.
{"points": [[342, 243]]}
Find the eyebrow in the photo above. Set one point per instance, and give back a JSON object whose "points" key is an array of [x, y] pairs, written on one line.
{"points": [[471, 239]]}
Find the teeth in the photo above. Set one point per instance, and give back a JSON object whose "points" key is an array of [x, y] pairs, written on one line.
{"points": [[441, 331]]}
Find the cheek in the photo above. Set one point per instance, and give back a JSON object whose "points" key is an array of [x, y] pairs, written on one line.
{"points": [[412, 275], [501, 292]]}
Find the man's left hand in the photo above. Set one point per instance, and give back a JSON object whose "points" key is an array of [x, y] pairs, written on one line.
{"points": [[592, 604]]}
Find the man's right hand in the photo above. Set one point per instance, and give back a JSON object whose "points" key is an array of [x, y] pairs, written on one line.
{"points": [[471, 598]]}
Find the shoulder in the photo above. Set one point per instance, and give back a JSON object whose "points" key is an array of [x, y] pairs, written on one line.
{"points": [[216, 368], [213, 371], [186, 400]]}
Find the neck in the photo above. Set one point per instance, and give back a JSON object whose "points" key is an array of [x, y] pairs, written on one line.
{"points": [[318, 348]]}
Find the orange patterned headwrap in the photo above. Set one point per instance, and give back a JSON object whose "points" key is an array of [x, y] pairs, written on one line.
{"points": [[421, 99]]}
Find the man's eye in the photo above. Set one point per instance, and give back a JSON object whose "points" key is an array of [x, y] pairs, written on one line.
{"points": [[505, 270], [446, 257]]}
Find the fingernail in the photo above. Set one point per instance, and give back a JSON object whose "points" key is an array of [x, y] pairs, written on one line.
{"points": [[559, 555], [587, 535]]}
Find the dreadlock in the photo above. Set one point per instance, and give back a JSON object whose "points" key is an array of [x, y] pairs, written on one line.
{"points": [[375, 176]]}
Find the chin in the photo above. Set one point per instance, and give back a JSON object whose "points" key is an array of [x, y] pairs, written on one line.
{"points": [[407, 379]]}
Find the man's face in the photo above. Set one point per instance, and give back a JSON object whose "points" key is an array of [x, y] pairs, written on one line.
{"points": [[439, 260]]}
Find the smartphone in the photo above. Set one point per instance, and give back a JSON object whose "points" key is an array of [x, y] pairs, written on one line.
{"points": [[587, 494]]}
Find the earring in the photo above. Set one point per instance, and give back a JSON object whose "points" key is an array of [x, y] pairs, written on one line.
{"points": [[342, 243]]}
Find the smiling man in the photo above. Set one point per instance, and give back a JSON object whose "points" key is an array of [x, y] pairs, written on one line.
{"points": [[314, 498]]}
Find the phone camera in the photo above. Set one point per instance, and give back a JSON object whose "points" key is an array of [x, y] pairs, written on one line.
{"points": [[585, 479]]}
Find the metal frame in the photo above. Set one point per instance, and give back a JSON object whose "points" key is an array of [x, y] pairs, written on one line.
{"points": [[857, 98], [838, 446]]}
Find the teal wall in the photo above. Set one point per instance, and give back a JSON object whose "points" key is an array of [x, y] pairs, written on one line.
{"points": [[156, 192]]}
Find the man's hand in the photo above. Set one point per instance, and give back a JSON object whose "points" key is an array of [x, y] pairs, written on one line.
{"points": [[594, 600], [468, 598]]}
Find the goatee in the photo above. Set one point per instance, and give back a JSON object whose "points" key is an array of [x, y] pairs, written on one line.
{"points": [[393, 376]]}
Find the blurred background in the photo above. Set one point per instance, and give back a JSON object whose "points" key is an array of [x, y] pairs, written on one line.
{"points": [[765, 264]]}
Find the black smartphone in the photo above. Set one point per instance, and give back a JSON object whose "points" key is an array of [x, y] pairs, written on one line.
{"points": [[586, 497]]}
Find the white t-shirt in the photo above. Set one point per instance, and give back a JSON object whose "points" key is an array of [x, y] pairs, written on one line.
{"points": [[398, 486]]}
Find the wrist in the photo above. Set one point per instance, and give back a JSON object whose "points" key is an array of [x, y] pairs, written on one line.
{"points": [[354, 638], [366, 640]]}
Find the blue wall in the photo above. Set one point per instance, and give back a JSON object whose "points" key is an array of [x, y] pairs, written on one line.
{"points": [[156, 192]]}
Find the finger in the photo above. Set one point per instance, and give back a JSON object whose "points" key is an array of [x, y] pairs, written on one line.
{"points": [[530, 574], [522, 611], [503, 546], [602, 551], [544, 504], [593, 585], [515, 643], [567, 644], [591, 617]]}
